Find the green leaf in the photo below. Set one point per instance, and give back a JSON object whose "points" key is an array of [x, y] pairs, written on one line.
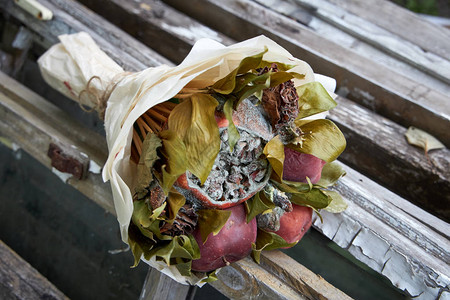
{"points": [[194, 122], [174, 151], [211, 277], [148, 158], [139, 244], [337, 204], [268, 241], [233, 133], [274, 152], [176, 201], [145, 219], [256, 205], [313, 99], [227, 84], [262, 82], [211, 221], [322, 138], [316, 198], [331, 173]]}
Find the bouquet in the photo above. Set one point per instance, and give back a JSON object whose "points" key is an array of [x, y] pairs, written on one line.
{"points": [[223, 156]]}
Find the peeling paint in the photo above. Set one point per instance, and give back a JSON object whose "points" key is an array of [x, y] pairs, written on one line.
{"points": [[94, 167], [63, 176]]}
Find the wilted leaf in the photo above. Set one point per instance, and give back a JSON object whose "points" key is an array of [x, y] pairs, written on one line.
{"points": [[420, 138], [233, 133], [268, 241], [194, 122], [227, 84], [211, 221], [315, 198], [257, 205], [175, 153], [331, 173], [148, 158], [322, 138], [211, 277], [274, 151], [313, 99], [337, 203], [176, 201]]}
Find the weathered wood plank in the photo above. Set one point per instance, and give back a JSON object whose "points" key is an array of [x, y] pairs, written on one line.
{"points": [[366, 39], [33, 133], [380, 38], [401, 22], [373, 85], [157, 25], [159, 286], [382, 230], [397, 165], [378, 148], [20, 281], [33, 123], [123, 50]]}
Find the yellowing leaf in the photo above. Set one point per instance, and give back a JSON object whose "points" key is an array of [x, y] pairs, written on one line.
{"points": [[174, 151], [227, 84], [420, 138], [257, 205], [322, 138], [194, 122], [331, 173], [313, 99], [268, 241], [337, 203], [176, 201], [233, 133], [274, 151], [211, 221], [148, 158]]}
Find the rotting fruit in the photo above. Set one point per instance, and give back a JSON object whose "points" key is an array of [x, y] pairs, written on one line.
{"points": [[232, 243], [294, 224]]}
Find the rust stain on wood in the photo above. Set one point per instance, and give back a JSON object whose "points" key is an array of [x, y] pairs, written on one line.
{"points": [[65, 162]]}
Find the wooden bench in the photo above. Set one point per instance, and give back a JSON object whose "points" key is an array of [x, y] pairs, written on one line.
{"points": [[398, 198], [19, 280]]}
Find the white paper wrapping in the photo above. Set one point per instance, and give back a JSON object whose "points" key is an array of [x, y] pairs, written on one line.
{"points": [[70, 65]]}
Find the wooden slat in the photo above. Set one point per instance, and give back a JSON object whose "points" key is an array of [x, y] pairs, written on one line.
{"points": [[368, 40], [373, 85], [157, 25], [159, 286], [428, 36], [397, 165], [124, 50], [23, 121], [19, 280], [22, 108]]}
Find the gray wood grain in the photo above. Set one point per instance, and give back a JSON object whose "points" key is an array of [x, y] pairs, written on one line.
{"points": [[20, 281], [402, 22]]}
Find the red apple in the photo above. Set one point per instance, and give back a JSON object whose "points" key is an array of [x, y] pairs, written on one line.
{"points": [[294, 224], [232, 243], [297, 166]]}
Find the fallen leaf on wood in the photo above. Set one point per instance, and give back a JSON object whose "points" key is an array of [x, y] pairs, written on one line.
{"points": [[422, 139]]}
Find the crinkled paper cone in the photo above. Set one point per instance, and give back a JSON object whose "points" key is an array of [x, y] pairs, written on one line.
{"points": [[77, 59]]}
